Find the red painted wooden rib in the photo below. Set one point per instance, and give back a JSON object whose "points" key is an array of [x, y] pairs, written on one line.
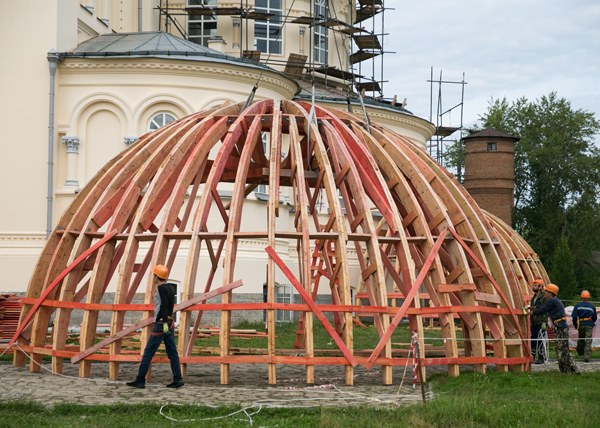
{"points": [[408, 300], [57, 281], [149, 320], [312, 306]]}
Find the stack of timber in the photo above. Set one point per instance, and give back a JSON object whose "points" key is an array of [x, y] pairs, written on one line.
{"points": [[10, 309]]}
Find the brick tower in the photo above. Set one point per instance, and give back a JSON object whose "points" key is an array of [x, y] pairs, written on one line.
{"points": [[490, 171]]}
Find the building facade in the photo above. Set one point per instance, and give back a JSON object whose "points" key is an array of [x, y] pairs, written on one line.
{"points": [[91, 77]]}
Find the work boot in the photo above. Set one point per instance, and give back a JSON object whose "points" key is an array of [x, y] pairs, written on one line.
{"points": [[587, 360], [539, 361], [136, 384], [177, 384]]}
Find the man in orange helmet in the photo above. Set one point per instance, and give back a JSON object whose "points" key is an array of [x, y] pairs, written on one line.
{"points": [[538, 323], [164, 327], [584, 319], [556, 310]]}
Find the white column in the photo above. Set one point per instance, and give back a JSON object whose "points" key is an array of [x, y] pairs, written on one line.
{"points": [[236, 32], [301, 40], [72, 144]]}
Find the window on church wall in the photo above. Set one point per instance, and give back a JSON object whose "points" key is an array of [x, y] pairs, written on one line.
{"points": [[201, 28], [321, 34], [283, 294], [159, 120], [267, 34]]}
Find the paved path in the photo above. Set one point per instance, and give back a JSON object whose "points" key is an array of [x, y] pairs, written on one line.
{"points": [[248, 386]]}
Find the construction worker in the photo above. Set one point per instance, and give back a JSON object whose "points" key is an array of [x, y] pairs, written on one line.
{"points": [[163, 330], [538, 323], [556, 310], [584, 319]]}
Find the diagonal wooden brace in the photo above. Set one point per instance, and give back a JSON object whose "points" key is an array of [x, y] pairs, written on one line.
{"points": [[149, 320], [312, 305], [407, 300], [57, 281], [496, 286]]}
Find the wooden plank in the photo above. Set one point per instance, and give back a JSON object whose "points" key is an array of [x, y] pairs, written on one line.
{"points": [[150, 320], [456, 272], [356, 222], [57, 281], [392, 183], [414, 289], [272, 213], [342, 175], [410, 217], [486, 297], [370, 270], [451, 288], [436, 221], [315, 309]]}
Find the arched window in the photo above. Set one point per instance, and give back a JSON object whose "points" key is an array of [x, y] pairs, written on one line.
{"points": [[159, 120]]}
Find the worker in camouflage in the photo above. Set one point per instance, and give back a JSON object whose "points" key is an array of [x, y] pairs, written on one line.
{"points": [[556, 310], [538, 323], [584, 319]]}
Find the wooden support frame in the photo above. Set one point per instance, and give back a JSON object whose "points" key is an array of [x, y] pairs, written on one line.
{"points": [[433, 243]]}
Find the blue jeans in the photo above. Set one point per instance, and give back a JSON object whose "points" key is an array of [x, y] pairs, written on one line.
{"points": [[536, 344], [156, 338]]}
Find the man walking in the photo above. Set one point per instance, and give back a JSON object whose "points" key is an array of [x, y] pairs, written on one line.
{"points": [[584, 319], [538, 323], [164, 329], [556, 310]]}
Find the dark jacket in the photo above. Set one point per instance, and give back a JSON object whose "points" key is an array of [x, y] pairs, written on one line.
{"points": [[555, 309], [539, 301], [584, 310], [164, 300]]}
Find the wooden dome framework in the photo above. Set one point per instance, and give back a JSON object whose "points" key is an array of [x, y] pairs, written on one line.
{"points": [[432, 240]]}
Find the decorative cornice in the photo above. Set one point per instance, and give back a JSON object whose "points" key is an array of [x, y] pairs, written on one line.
{"points": [[21, 244], [72, 143], [212, 69]]}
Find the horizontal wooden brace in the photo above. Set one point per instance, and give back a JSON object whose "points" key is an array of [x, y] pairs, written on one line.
{"points": [[451, 288], [486, 297]]}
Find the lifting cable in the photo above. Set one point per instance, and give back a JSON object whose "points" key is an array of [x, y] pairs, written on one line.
{"points": [[354, 82]]}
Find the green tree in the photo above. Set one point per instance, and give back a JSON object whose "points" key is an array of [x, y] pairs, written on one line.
{"points": [[557, 177], [563, 273]]}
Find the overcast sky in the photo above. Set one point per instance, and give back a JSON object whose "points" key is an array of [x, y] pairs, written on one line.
{"points": [[506, 48]]}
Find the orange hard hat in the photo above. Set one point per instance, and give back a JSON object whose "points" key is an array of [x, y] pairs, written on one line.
{"points": [[585, 294], [552, 289], [538, 281], [161, 271]]}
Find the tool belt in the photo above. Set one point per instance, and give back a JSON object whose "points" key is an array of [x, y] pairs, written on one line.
{"points": [[582, 319], [559, 320]]}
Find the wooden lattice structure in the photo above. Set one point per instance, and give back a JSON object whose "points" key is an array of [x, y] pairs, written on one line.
{"points": [[431, 239]]}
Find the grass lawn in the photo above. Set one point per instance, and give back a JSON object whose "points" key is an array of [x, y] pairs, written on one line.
{"points": [[472, 400]]}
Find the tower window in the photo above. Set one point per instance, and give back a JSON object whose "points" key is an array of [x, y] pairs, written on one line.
{"points": [[201, 28], [491, 147], [267, 34]]}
